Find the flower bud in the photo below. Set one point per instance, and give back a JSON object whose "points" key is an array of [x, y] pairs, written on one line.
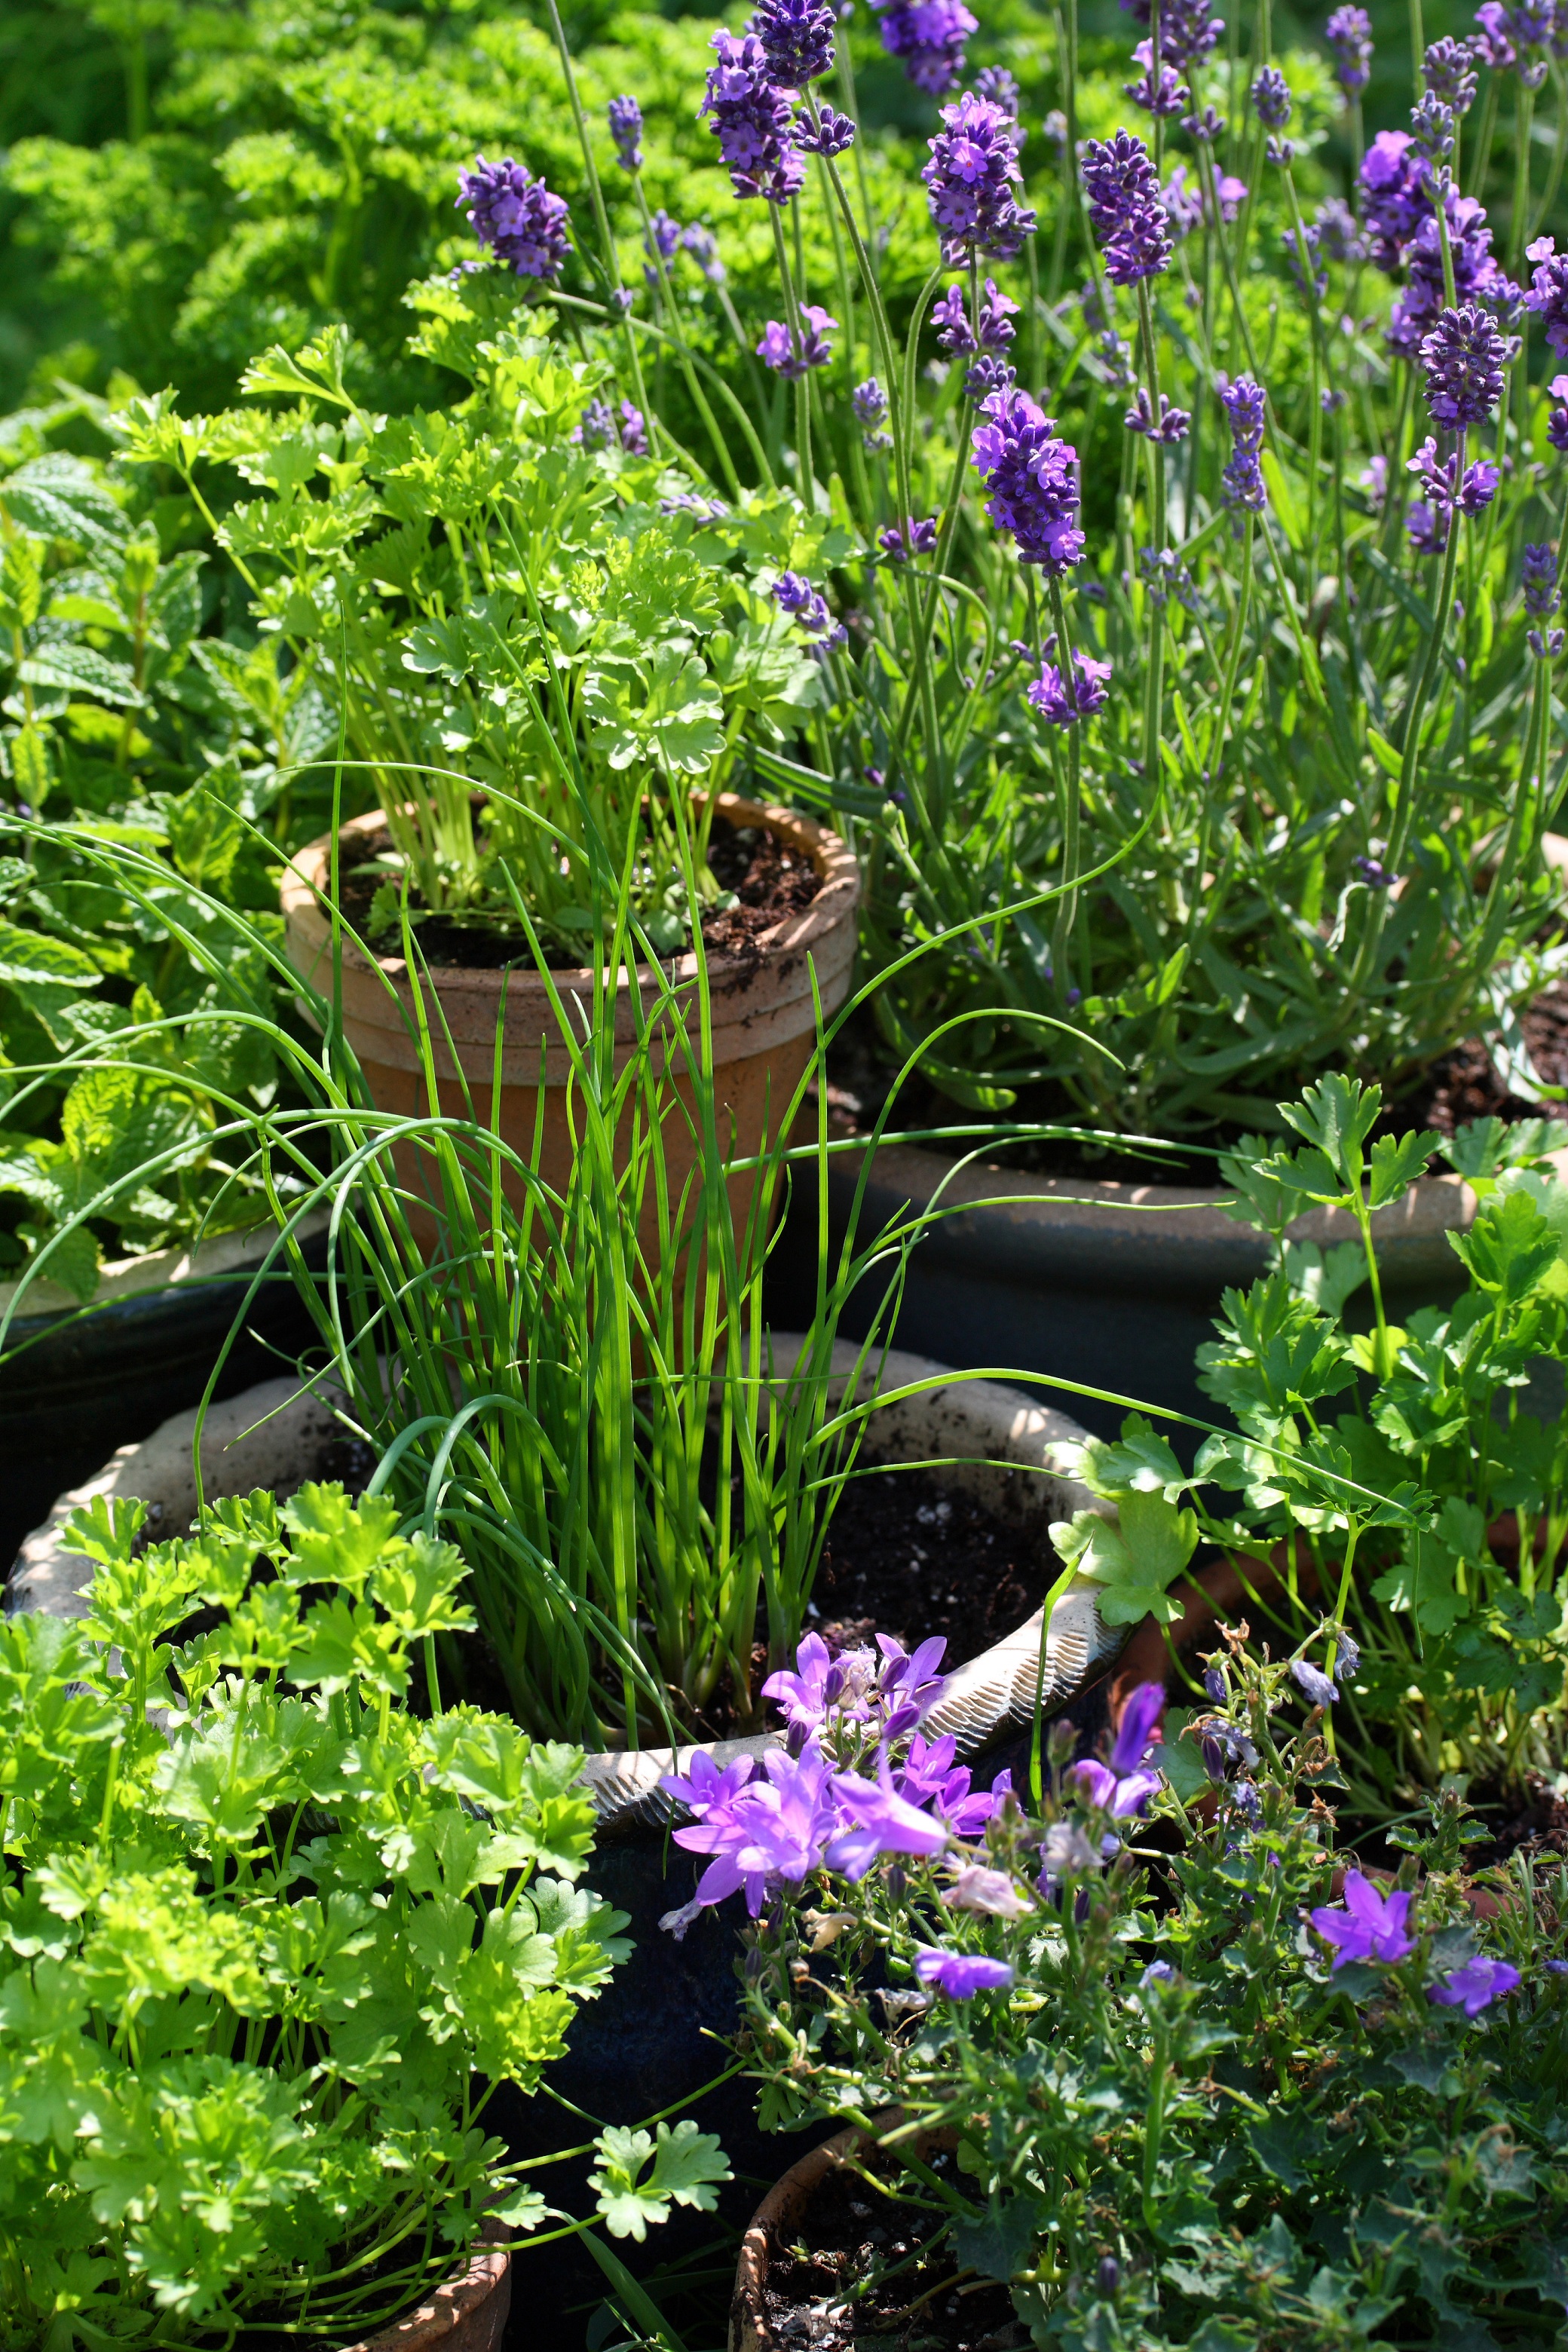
{"points": [[896, 1881], [1108, 2278]]}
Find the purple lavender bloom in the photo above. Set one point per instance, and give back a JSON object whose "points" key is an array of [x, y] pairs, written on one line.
{"points": [[625, 129], [1169, 428], [1187, 32], [1540, 573], [1032, 478], [754, 123], [1427, 527], [951, 319], [1125, 208], [1349, 34], [1395, 199], [703, 246], [633, 430], [870, 403], [597, 430], [1374, 482], [1184, 205], [997, 312], [797, 39], [1475, 1986], [662, 242], [1161, 93], [833, 134], [1312, 1682], [960, 1975], [912, 539], [970, 180], [1368, 1925], [778, 351], [1463, 357], [880, 1821], [1530, 26], [516, 215], [1374, 873], [1471, 490], [1432, 132], [807, 607], [1241, 483], [1492, 44], [1450, 74], [1548, 294], [928, 35], [988, 375], [996, 83], [1557, 423], [1334, 233], [1271, 98], [1478, 278]]}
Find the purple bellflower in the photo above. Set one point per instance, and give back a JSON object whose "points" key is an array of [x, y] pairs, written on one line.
{"points": [[753, 121], [1463, 358], [1475, 1986], [1368, 1925], [1347, 1657], [625, 129], [1033, 481], [797, 40], [1125, 208], [1124, 1786], [778, 351], [771, 1832], [516, 215], [928, 36], [1312, 1682], [880, 1821], [992, 1893], [970, 180], [960, 1975], [1349, 34]]}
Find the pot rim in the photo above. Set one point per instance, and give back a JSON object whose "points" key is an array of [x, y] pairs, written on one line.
{"points": [[984, 1696], [486, 2271], [302, 889], [790, 2194]]}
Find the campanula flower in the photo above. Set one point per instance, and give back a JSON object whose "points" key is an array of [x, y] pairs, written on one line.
{"points": [[960, 1975], [1368, 1925], [1475, 1986], [990, 1892], [1312, 1682], [880, 1821]]}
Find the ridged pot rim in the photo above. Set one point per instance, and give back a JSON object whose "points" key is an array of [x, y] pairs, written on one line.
{"points": [[305, 877], [267, 1434], [447, 2315]]}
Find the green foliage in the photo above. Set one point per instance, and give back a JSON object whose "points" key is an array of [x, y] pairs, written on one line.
{"points": [[261, 1932], [1419, 1472]]}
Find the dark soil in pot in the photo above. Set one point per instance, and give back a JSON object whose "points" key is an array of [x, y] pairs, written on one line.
{"points": [[768, 878], [858, 2269]]}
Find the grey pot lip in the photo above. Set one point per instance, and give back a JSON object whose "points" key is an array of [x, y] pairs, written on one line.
{"points": [[1129, 1237], [271, 1436]]}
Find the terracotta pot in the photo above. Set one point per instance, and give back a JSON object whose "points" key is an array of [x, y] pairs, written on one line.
{"points": [[467, 2313], [781, 2213], [764, 1019]]}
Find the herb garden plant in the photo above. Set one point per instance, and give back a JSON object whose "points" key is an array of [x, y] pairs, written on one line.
{"points": [[1249, 2095], [264, 1933]]}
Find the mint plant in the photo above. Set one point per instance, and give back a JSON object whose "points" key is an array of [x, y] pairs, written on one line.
{"points": [[268, 1941], [1248, 2094]]}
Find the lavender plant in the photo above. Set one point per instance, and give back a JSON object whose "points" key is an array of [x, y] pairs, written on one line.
{"points": [[1259, 716], [1253, 2093]]}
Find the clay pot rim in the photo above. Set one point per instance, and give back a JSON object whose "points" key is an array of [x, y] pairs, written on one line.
{"points": [[459, 2297], [303, 888], [790, 2195]]}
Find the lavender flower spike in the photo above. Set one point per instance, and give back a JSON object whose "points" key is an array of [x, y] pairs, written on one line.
{"points": [[1369, 1926], [970, 180], [1125, 210], [1032, 478], [797, 39], [1463, 357], [625, 129], [1271, 98], [1060, 706], [1448, 69], [753, 121], [1540, 568], [1349, 34], [778, 351], [517, 216], [1169, 428], [928, 35], [1241, 484], [1548, 294], [870, 403], [960, 1975]]}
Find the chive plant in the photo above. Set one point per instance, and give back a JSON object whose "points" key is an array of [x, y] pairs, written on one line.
{"points": [[1257, 667]]}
